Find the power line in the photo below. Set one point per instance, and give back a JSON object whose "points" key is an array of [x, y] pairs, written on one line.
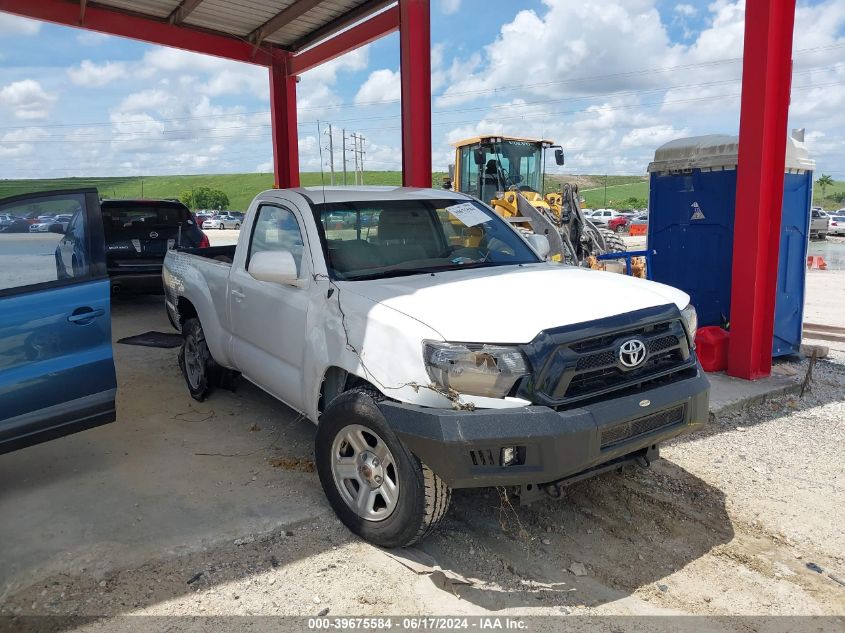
{"points": [[491, 90]]}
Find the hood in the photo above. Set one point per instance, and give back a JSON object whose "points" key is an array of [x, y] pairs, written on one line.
{"points": [[514, 304]]}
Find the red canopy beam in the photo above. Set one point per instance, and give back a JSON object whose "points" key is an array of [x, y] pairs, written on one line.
{"points": [[134, 26], [372, 29], [766, 78], [284, 139], [415, 54]]}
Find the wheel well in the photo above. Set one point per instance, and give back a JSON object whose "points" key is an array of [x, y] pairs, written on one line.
{"points": [[186, 310], [335, 382]]}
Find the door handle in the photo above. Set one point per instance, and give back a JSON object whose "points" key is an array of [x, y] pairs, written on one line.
{"points": [[81, 316], [238, 295]]}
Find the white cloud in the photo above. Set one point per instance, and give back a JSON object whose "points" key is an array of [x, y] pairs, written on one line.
{"points": [[686, 10], [26, 99], [11, 25], [381, 86], [92, 75], [449, 7]]}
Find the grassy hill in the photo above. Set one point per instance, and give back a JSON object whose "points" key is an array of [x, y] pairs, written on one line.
{"points": [[241, 188]]}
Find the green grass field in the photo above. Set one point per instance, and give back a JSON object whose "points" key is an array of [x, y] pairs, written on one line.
{"points": [[242, 188]]}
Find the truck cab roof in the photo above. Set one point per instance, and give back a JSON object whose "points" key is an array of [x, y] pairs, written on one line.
{"points": [[362, 193]]}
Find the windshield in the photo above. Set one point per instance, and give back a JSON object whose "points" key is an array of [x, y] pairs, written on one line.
{"points": [[367, 240], [496, 166]]}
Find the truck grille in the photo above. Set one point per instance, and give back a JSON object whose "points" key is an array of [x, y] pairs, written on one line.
{"points": [[641, 426], [577, 363]]}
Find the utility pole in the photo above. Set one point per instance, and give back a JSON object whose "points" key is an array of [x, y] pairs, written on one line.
{"points": [[362, 159], [355, 154], [343, 131], [142, 188], [331, 154], [605, 191]]}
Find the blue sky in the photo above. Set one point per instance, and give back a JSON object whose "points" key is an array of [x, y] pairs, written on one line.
{"points": [[610, 80]]}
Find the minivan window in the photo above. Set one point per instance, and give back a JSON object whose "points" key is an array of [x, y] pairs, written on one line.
{"points": [[125, 220]]}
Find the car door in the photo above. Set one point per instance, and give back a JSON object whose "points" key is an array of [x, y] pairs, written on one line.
{"points": [[269, 319], [56, 367]]}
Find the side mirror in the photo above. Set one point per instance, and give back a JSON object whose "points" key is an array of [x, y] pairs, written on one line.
{"points": [[451, 172], [277, 267], [540, 243], [559, 156], [478, 156]]}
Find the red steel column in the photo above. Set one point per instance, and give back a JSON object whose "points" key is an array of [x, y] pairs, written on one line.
{"points": [[283, 123], [766, 79], [415, 54]]}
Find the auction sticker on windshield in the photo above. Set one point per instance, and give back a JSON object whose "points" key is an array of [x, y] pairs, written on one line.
{"points": [[468, 213]]}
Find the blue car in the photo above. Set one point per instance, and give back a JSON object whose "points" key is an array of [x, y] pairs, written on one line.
{"points": [[57, 371]]}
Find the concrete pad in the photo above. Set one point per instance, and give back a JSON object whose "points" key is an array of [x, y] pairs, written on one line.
{"points": [[170, 476], [729, 394]]}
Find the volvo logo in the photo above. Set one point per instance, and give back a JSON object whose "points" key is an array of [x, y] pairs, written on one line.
{"points": [[632, 353], [153, 235]]}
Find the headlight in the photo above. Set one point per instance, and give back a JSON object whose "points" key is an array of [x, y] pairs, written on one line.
{"points": [[479, 370], [691, 317]]}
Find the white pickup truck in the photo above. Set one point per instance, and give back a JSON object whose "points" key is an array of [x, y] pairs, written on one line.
{"points": [[434, 348]]}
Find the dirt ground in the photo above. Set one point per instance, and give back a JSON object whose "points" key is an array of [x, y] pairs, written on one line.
{"points": [[743, 518]]}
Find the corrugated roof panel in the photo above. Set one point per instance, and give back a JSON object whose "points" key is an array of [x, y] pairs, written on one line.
{"points": [[238, 17], [155, 8], [319, 16]]}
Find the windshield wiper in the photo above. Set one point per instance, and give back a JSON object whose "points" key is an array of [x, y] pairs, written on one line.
{"points": [[404, 272]]}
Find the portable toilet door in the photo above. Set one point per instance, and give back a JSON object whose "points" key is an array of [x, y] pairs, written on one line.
{"points": [[692, 204]]}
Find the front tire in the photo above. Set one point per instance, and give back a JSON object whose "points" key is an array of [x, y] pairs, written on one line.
{"points": [[377, 487]]}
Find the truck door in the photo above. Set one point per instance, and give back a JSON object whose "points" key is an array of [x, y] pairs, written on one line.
{"points": [[269, 319], [56, 366]]}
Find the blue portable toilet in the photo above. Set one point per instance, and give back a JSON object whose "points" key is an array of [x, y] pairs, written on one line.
{"points": [[692, 201]]}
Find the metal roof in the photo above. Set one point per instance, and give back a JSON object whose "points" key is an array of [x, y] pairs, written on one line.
{"points": [[495, 137], [718, 151], [289, 24]]}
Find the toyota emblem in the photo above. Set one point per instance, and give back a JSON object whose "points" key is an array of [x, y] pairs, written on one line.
{"points": [[632, 353], [153, 235]]}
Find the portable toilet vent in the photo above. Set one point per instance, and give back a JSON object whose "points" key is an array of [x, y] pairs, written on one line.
{"points": [[692, 202]]}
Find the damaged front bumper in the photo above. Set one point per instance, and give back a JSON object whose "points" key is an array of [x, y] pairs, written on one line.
{"points": [[536, 445]]}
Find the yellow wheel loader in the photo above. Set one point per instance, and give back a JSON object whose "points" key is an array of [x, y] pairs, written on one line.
{"points": [[508, 173]]}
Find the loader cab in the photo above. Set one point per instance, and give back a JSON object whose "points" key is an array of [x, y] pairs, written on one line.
{"points": [[485, 167]]}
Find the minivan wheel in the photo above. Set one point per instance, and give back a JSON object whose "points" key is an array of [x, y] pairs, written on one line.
{"points": [[237, 226], [377, 487]]}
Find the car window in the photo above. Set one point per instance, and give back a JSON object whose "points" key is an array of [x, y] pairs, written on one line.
{"points": [[43, 251], [276, 229]]}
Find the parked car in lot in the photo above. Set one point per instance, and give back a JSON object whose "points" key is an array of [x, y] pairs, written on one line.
{"points": [[202, 217], [56, 368], [431, 354], [837, 223], [139, 233], [819, 223], [619, 224], [601, 217], [14, 225], [223, 221]]}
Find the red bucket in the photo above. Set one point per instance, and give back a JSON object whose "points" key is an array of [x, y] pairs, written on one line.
{"points": [[711, 345]]}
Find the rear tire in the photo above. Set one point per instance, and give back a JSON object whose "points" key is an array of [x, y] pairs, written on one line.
{"points": [[620, 228], [377, 487], [201, 372], [237, 227]]}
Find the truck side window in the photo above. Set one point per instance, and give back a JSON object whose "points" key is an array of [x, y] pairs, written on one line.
{"points": [[276, 229], [43, 242]]}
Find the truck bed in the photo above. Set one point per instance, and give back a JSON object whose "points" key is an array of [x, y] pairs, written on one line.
{"points": [[220, 253]]}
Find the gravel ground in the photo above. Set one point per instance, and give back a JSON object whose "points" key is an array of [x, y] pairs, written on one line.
{"points": [[733, 520]]}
